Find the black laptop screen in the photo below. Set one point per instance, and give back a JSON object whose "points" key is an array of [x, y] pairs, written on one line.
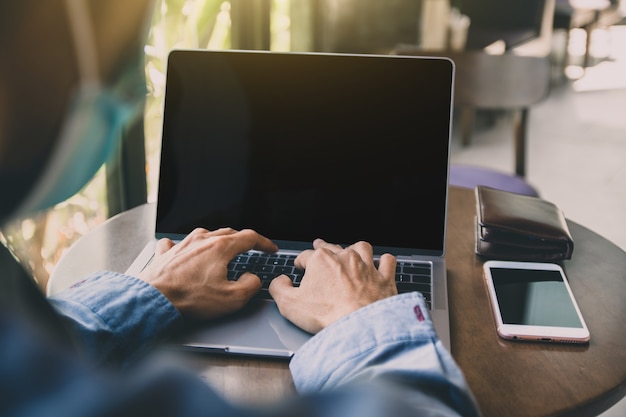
{"points": [[300, 146]]}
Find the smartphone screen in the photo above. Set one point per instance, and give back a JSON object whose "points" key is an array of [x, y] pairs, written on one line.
{"points": [[533, 301], [534, 298]]}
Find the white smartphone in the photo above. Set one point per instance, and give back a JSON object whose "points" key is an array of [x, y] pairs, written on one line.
{"points": [[533, 301]]}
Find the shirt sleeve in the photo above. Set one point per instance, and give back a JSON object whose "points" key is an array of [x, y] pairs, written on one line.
{"points": [[38, 378], [391, 341], [114, 317]]}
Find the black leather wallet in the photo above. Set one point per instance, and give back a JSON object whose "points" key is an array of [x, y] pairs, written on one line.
{"points": [[520, 227]]}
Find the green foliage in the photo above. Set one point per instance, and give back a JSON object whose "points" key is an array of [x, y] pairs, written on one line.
{"points": [[176, 24]]}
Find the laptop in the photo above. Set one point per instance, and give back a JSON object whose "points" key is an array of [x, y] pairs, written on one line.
{"points": [[304, 145]]}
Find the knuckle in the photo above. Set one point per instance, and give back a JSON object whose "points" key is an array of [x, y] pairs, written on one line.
{"points": [[226, 230], [387, 257], [196, 234], [164, 241], [323, 252], [220, 243], [352, 255], [363, 245], [323, 256], [247, 233]]}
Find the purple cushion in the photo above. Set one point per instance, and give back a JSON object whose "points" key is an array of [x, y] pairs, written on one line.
{"points": [[467, 176]]}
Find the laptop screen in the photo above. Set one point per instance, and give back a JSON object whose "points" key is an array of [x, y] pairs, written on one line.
{"points": [[301, 146]]}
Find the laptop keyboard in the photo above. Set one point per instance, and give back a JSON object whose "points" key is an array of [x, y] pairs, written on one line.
{"points": [[410, 276]]}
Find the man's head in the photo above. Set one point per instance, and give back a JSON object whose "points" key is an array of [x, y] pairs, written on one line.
{"points": [[40, 74]]}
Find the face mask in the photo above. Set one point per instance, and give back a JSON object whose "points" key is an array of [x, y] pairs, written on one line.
{"points": [[94, 123]]}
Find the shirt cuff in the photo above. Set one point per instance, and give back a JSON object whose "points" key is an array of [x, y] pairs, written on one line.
{"points": [[114, 316], [379, 338]]}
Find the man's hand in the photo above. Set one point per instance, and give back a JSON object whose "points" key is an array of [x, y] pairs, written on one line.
{"points": [[336, 282], [192, 273]]}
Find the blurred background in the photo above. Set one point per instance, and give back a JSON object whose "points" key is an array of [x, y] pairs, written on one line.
{"points": [[575, 133]]}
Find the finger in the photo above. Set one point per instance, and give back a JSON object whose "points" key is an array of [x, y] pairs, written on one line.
{"points": [[318, 244], [230, 242], [387, 266], [285, 295], [200, 233], [222, 231], [365, 250], [197, 234], [248, 239], [303, 258], [322, 244], [280, 288], [163, 245], [247, 285]]}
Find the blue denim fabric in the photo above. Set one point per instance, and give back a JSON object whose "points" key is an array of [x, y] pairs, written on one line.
{"points": [[390, 340], [384, 359], [115, 317]]}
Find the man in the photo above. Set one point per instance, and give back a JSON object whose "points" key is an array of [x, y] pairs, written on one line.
{"points": [[68, 82]]}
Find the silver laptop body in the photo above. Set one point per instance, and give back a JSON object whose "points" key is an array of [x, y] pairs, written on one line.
{"points": [[299, 146]]}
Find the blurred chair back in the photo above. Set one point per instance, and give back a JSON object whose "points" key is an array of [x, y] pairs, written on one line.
{"points": [[513, 21]]}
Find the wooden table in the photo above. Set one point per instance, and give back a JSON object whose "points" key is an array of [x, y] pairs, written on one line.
{"points": [[507, 378]]}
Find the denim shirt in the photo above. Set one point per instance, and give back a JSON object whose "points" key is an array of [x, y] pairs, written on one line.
{"points": [[116, 317], [384, 359]]}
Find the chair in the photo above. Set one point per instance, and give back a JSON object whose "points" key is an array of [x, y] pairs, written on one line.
{"points": [[499, 82], [514, 22]]}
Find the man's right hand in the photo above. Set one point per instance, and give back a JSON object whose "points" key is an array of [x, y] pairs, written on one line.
{"points": [[336, 282]]}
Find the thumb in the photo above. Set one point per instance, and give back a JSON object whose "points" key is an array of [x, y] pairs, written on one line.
{"points": [[280, 288], [163, 245], [286, 297], [248, 284]]}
